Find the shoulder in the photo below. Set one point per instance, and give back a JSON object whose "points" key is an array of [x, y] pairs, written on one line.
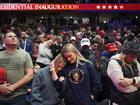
{"points": [[87, 63], [138, 65], [117, 56], [41, 45], [114, 66], [29, 40], [115, 60], [43, 71], [2, 52], [22, 51], [23, 54], [92, 52], [102, 58]]}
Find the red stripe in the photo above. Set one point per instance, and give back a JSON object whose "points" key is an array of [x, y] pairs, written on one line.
{"points": [[65, 7]]}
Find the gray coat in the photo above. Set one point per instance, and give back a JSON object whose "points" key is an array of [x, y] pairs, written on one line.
{"points": [[43, 90]]}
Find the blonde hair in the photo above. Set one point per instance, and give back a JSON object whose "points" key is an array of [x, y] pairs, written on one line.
{"points": [[42, 37], [48, 42], [122, 58], [58, 60], [71, 48]]}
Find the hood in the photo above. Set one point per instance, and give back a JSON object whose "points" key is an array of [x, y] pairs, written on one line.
{"points": [[117, 56]]}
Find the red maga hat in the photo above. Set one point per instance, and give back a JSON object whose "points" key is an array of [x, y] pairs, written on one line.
{"points": [[111, 47]]}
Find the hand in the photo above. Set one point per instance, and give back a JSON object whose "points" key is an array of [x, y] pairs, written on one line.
{"points": [[52, 66], [61, 78], [125, 82], [11, 88], [4, 89]]}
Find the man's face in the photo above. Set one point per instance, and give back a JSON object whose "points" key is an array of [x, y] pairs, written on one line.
{"points": [[23, 35], [130, 58], [85, 48], [78, 36], [11, 39], [1, 37], [59, 40]]}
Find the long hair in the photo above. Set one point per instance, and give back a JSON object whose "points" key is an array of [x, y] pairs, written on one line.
{"points": [[48, 42], [71, 48], [122, 58], [58, 60]]}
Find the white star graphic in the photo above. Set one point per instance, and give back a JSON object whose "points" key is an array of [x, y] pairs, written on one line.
{"points": [[98, 7], [104, 7], [109, 7], [115, 7], [121, 7]]}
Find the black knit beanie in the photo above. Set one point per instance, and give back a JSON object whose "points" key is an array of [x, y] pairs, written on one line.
{"points": [[131, 45]]}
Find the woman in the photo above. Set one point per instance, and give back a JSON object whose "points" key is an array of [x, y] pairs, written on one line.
{"points": [[44, 53], [124, 73], [43, 90], [81, 81]]}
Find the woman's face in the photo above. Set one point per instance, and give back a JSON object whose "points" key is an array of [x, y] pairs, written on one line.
{"points": [[60, 66], [130, 58], [70, 57], [50, 43]]}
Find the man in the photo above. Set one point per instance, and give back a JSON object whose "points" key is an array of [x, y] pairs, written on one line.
{"points": [[26, 43], [19, 72], [111, 49], [87, 52]]}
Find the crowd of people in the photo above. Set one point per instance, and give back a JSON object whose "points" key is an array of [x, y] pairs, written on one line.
{"points": [[82, 65]]}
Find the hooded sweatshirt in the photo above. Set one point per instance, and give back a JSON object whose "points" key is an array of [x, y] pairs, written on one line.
{"points": [[115, 73]]}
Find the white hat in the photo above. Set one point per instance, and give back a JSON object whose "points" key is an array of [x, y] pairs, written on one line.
{"points": [[85, 41], [73, 38]]}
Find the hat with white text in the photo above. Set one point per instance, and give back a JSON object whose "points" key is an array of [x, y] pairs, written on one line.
{"points": [[85, 41]]}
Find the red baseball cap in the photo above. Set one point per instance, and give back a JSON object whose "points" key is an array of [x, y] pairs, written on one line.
{"points": [[111, 47]]}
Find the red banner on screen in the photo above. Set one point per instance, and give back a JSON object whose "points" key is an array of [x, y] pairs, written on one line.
{"points": [[70, 7]]}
